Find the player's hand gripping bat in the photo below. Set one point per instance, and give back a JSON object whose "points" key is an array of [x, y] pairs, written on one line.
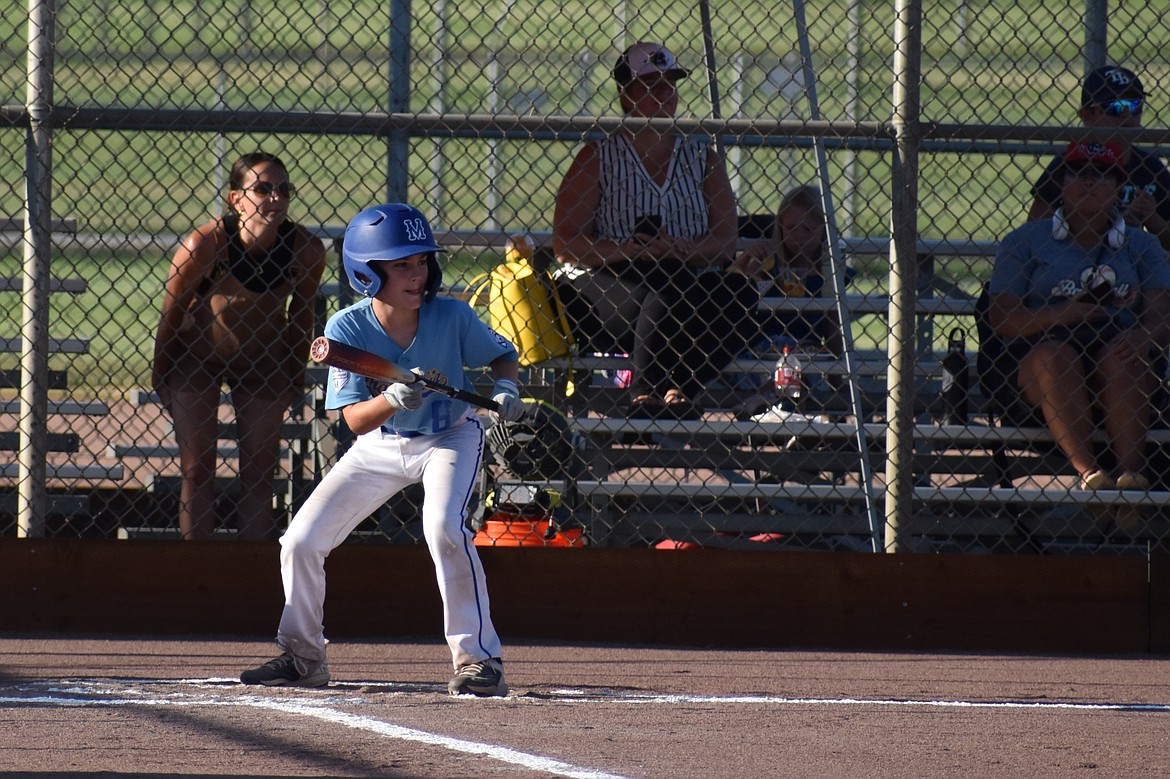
{"points": [[326, 351]]}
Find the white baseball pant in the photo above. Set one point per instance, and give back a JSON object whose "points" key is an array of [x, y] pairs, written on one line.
{"points": [[376, 467]]}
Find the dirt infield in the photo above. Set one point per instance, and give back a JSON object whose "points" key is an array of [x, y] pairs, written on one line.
{"points": [[85, 707]]}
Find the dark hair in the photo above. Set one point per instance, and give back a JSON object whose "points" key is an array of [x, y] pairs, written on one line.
{"points": [[246, 162]]}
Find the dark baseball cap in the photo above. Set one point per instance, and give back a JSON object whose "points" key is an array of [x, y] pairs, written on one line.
{"points": [[1110, 83]]}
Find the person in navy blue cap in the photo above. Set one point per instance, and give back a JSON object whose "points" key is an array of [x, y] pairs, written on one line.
{"points": [[1113, 97]]}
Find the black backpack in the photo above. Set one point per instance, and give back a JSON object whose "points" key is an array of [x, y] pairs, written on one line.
{"points": [[993, 385]]}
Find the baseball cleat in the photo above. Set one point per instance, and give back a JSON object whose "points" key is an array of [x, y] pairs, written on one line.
{"points": [[288, 671], [485, 679]]}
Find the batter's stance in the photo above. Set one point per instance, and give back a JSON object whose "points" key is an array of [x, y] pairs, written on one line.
{"points": [[405, 435]]}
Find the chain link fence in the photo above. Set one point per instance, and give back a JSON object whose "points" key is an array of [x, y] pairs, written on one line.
{"points": [[929, 126]]}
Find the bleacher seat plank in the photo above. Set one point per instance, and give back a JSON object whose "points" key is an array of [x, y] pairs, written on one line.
{"points": [[705, 527], [10, 378], [315, 376], [89, 408], [871, 304], [10, 225], [70, 286], [58, 442], [289, 431], [170, 451], [870, 363], [833, 492], [56, 345], [59, 504], [161, 485], [867, 245], [975, 435], [145, 397], [70, 471]]}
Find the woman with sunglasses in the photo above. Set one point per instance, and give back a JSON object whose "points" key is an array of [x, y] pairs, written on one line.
{"points": [[237, 308], [1113, 98]]}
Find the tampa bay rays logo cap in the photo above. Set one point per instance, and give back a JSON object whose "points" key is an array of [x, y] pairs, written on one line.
{"points": [[416, 230], [1111, 83]]}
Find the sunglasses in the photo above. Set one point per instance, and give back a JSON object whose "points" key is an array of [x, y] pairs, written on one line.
{"points": [[265, 189], [1120, 107]]}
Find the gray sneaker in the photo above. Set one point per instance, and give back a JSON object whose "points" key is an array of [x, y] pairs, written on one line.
{"points": [[485, 679], [288, 671]]}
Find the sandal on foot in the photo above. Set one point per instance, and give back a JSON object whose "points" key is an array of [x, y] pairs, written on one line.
{"points": [[1100, 480], [1129, 516], [646, 407], [680, 406]]}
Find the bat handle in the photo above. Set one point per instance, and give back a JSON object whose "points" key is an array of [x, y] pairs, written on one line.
{"points": [[464, 395]]}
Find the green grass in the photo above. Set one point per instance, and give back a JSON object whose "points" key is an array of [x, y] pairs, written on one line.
{"points": [[983, 63]]}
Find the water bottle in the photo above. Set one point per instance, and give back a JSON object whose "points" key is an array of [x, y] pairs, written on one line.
{"points": [[789, 380], [955, 379]]}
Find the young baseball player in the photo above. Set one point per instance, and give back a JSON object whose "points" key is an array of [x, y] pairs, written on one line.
{"points": [[405, 435]]}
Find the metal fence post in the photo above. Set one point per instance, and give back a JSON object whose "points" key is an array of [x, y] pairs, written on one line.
{"points": [[34, 364], [903, 272]]}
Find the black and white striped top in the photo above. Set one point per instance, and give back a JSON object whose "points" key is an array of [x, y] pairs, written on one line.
{"points": [[628, 193]]}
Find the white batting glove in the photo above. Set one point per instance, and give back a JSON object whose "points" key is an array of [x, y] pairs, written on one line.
{"points": [[507, 394], [404, 397]]}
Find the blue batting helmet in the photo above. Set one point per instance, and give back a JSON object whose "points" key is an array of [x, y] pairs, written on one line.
{"points": [[389, 231]]}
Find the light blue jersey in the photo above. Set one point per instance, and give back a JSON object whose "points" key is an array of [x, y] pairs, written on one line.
{"points": [[450, 338]]}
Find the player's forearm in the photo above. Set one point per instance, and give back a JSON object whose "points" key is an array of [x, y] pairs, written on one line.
{"points": [[367, 415]]}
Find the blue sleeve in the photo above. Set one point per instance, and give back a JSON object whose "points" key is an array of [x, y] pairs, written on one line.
{"points": [[345, 388], [481, 344], [1152, 266], [1010, 275]]}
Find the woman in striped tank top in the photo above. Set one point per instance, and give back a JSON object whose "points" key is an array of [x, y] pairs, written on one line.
{"points": [[645, 223]]}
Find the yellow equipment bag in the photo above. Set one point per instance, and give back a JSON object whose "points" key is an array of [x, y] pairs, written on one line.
{"points": [[524, 307]]}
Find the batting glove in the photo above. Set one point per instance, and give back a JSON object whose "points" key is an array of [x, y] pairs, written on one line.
{"points": [[404, 397], [507, 394]]}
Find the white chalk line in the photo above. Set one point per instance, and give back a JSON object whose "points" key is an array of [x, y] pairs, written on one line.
{"points": [[359, 689], [584, 696], [572, 695], [85, 695], [80, 694]]}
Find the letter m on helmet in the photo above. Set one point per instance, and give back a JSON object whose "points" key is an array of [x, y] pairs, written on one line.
{"points": [[416, 230]]}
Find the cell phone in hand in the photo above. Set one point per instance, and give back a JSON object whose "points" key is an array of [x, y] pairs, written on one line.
{"points": [[649, 225], [1101, 292]]}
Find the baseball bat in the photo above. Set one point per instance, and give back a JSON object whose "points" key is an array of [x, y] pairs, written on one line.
{"points": [[326, 351]]}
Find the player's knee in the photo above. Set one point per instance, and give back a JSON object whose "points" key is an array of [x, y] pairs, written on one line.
{"points": [[304, 539], [446, 536]]}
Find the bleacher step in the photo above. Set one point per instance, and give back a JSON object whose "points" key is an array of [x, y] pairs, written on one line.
{"points": [[70, 471]]}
